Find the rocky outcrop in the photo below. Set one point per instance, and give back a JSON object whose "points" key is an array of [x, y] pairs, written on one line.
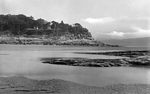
{"points": [[144, 61], [70, 36], [142, 58], [86, 62], [63, 40], [97, 62], [131, 54], [40, 31]]}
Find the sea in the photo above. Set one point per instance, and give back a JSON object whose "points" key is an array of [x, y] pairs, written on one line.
{"points": [[24, 60]]}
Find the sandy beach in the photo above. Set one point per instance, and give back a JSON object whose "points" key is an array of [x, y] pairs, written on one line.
{"points": [[23, 85]]}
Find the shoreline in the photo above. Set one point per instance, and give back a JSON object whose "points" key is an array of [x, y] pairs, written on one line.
{"points": [[23, 85], [48, 41]]}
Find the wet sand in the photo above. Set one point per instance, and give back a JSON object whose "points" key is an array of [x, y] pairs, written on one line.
{"points": [[23, 85]]}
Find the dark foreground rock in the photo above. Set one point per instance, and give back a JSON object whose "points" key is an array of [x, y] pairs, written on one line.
{"points": [[135, 58], [97, 62], [145, 61], [23, 85], [131, 54], [86, 62]]}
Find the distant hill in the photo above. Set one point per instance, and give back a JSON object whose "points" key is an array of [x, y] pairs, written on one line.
{"points": [[144, 41]]}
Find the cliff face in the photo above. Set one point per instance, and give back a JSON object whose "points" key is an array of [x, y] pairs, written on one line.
{"points": [[61, 41], [69, 36], [54, 38]]}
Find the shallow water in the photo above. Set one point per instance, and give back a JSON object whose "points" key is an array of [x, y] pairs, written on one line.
{"points": [[25, 61]]}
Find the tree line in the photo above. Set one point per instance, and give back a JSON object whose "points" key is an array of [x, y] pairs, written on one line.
{"points": [[21, 24]]}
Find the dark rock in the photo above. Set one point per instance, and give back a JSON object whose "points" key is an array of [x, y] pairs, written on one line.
{"points": [[144, 61]]}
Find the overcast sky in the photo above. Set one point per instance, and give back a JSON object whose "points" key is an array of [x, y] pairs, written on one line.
{"points": [[105, 19]]}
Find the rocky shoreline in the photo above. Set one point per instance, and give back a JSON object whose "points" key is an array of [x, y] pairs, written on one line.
{"points": [[50, 41], [131, 54], [23, 85], [86, 62], [135, 58]]}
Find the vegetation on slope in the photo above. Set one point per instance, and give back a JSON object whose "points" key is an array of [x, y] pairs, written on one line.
{"points": [[28, 26], [20, 29]]}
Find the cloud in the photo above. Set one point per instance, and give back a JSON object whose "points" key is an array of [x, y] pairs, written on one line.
{"points": [[139, 32], [121, 27], [99, 20], [116, 34]]}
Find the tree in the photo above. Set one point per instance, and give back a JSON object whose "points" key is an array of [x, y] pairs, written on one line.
{"points": [[19, 24]]}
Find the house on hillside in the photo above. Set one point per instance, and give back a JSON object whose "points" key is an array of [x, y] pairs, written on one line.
{"points": [[30, 29]]}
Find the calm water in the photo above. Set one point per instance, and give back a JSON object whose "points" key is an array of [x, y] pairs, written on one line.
{"points": [[25, 61]]}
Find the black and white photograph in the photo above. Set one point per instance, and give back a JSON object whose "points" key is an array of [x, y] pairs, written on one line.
{"points": [[74, 46]]}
